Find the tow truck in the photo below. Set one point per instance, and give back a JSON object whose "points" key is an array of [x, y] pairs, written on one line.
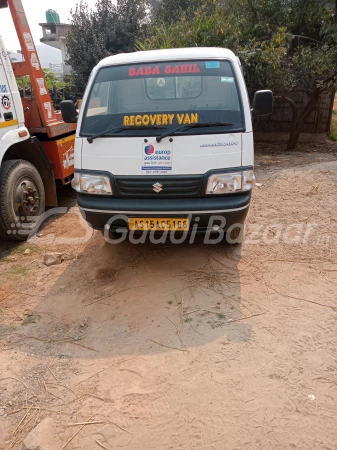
{"points": [[36, 145]]}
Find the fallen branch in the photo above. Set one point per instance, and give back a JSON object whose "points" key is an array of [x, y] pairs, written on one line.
{"points": [[245, 318], [167, 346], [80, 429], [334, 308], [106, 368], [6, 296], [203, 310], [27, 293], [57, 341], [96, 422], [16, 379], [101, 445], [85, 346], [17, 315], [121, 428], [178, 333], [111, 295]]}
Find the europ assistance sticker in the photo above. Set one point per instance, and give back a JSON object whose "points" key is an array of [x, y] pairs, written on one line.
{"points": [[157, 159]]}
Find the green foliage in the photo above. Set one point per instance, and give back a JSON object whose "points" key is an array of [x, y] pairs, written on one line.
{"points": [[283, 45], [205, 27], [109, 29], [23, 83], [58, 89], [52, 81], [169, 12]]}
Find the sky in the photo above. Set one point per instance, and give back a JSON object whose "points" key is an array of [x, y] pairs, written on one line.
{"points": [[35, 11]]}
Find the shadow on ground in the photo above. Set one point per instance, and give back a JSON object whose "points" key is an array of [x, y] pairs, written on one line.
{"points": [[131, 299]]}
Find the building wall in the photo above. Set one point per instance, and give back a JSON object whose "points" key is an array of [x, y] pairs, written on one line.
{"points": [[55, 35], [280, 121]]}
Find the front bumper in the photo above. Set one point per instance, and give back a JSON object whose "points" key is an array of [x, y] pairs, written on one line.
{"points": [[224, 211]]}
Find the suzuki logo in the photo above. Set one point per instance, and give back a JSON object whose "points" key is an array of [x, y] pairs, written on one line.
{"points": [[157, 187]]}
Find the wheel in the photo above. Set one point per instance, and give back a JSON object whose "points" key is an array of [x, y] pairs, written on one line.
{"points": [[22, 198], [113, 235]]}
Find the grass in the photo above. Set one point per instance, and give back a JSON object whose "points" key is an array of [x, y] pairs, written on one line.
{"points": [[13, 261], [19, 271], [14, 274], [29, 319], [6, 330], [18, 249]]}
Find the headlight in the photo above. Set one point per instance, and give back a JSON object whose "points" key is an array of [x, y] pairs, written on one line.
{"points": [[91, 184], [226, 183]]}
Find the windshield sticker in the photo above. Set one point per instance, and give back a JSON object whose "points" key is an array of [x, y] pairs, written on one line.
{"points": [[167, 70], [212, 64], [3, 88], [161, 82], [156, 159], [227, 80], [160, 119]]}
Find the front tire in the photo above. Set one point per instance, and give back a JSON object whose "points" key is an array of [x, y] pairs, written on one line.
{"points": [[22, 198]]}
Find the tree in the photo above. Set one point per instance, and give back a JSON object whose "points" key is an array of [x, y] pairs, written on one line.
{"points": [[95, 34], [311, 69], [284, 45], [171, 11], [58, 89], [295, 50]]}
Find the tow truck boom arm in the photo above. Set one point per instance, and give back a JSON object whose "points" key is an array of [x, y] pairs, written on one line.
{"points": [[51, 120]]}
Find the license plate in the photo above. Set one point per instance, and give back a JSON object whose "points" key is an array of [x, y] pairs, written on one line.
{"points": [[155, 224]]}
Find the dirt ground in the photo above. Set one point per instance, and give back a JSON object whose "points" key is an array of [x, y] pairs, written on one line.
{"points": [[181, 346]]}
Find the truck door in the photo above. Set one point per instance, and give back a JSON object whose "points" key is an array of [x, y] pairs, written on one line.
{"points": [[8, 116]]}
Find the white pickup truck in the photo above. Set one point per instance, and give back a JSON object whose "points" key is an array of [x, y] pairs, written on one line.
{"points": [[164, 142]]}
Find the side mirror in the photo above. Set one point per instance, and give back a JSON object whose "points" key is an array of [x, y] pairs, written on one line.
{"points": [[263, 103], [69, 111]]}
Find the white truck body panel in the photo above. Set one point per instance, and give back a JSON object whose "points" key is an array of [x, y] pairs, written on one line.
{"points": [[123, 156], [11, 111]]}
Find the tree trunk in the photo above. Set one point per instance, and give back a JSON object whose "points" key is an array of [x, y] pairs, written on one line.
{"points": [[293, 139], [294, 135], [299, 119]]}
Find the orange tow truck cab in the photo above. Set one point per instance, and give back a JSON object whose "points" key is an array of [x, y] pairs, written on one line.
{"points": [[36, 145]]}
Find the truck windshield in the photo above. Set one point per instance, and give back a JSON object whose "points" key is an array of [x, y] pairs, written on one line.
{"points": [[166, 95]]}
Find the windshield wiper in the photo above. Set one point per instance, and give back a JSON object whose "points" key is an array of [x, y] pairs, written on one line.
{"points": [[123, 128], [193, 125]]}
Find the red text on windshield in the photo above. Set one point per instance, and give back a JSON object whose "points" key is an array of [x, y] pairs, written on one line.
{"points": [[176, 69]]}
